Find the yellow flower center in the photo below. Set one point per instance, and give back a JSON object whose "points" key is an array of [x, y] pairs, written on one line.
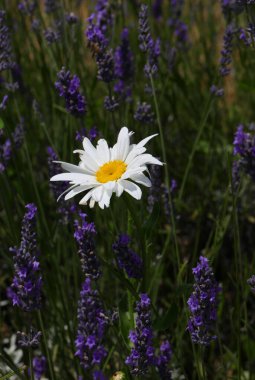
{"points": [[111, 171]]}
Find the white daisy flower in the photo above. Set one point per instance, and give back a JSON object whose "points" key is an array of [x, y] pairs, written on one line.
{"points": [[103, 171]]}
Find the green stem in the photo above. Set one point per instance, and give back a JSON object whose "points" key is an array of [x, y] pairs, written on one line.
{"points": [[194, 148], [167, 179], [49, 359], [31, 364]]}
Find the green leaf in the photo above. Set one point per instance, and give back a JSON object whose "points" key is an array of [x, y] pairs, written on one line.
{"points": [[10, 374], [1, 124]]}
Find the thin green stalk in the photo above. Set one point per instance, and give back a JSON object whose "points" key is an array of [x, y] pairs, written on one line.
{"points": [[36, 190], [167, 179], [49, 359], [194, 148], [31, 364]]}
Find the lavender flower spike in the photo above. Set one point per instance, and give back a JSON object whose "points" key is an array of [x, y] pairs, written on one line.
{"points": [[6, 58], [127, 259], [25, 290], [39, 366], [142, 354], [68, 87], [92, 323], [163, 360], [84, 235], [203, 304]]}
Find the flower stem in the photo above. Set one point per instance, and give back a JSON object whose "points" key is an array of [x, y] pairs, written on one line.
{"points": [[167, 179], [52, 374], [31, 364]]}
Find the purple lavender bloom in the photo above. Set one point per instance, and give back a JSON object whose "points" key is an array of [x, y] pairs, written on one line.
{"points": [[226, 52], [85, 237], [203, 304], [127, 259], [25, 290], [27, 7], [124, 66], [92, 134], [251, 282], [104, 16], [179, 28], [68, 87], [244, 147], [216, 91], [4, 102], [142, 354], [144, 113], [64, 209], [157, 9], [163, 361], [92, 323], [155, 191], [110, 103], [105, 65], [6, 58], [51, 6], [147, 44], [71, 18], [18, 134], [52, 35], [30, 340], [98, 375], [97, 40], [39, 366]]}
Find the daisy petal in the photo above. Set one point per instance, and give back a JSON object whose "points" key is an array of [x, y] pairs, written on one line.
{"points": [[85, 199], [141, 178], [144, 159], [122, 146], [144, 141], [71, 168], [103, 151], [76, 178], [77, 190], [132, 189]]}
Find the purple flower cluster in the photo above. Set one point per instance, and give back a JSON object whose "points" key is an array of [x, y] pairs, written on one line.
{"points": [[144, 113], [92, 323], [39, 366], [52, 35], [226, 52], [147, 44], [9, 145], [68, 87], [157, 9], [84, 235], [6, 57], [124, 66], [30, 340], [27, 7], [96, 32], [127, 259], [110, 103], [91, 134], [244, 148], [51, 6], [180, 29], [4, 102], [25, 290], [64, 209], [163, 361], [203, 304], [142, 354], [251, 282], [155, 191]]}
